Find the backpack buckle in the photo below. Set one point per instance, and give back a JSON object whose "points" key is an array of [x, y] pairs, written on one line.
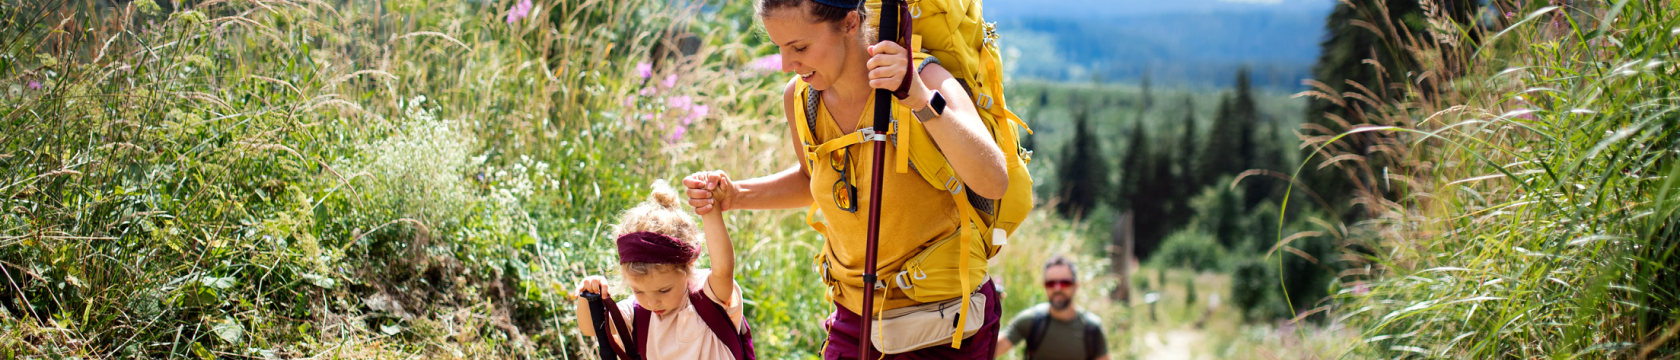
{"points": [[869, 134], [984, 101], [954, 185], [907, 284]]}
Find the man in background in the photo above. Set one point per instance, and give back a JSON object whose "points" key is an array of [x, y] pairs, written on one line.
{"points": [[1056, 330]]}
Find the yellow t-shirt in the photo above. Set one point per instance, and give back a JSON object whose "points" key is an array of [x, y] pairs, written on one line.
{"points": [[914, 214]]}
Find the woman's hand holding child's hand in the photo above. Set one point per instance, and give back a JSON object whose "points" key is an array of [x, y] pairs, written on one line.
{"points": [[709, 190]]}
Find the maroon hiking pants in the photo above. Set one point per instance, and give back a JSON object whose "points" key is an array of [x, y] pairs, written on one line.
{"points": [[845, 326]]}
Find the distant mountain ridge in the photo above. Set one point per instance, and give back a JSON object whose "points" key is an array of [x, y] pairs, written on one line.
{"points": [[1191, 42], [1109, 8]]}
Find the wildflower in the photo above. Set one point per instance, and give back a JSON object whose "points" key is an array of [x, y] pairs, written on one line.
{"points": [[670, 81], [519, 11], [769, 63], [677, 135], [696, 113], [645, 70], [1509, 15], [630, 101], [34, 85], [679, 102]]}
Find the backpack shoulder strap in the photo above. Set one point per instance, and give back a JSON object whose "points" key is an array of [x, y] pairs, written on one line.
{"points": [[1093, 337], [717, 319], [640, 330], [1041, 325], [618, 325]]}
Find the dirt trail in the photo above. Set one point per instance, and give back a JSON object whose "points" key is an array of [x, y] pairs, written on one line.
{"points": [[1175, 346]]}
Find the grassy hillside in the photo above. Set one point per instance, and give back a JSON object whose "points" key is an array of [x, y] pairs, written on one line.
{"points": [[1526, 205], [402, 179]]}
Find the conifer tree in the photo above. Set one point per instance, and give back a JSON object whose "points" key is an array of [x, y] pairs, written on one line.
{"points": [[1188, 148], [1083, 171], [1230, 144]]}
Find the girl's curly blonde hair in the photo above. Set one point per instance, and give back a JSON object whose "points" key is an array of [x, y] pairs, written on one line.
{"points": [[661, 213]]}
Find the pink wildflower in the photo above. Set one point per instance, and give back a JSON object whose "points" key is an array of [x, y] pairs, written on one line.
{"points": [[677, 134], [772, 62], [645, 70], [670, 81], [679, 102], [697, 112], [34, 85], [519, 11]]}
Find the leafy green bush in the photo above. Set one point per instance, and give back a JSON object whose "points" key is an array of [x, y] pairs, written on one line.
{"points": [[1219, 212], [1252, 284], [1190, 249]]}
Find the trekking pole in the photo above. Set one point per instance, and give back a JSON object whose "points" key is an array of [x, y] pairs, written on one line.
{"points": [[598, 316], [890, 21]]}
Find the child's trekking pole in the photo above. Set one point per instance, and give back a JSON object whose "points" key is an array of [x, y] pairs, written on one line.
{"points": [[598, 315], [891, 10]]}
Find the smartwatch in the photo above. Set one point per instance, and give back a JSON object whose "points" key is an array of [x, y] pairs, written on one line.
{"points": [[935, 107]]}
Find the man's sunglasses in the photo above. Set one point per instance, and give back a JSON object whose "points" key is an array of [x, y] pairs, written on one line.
{"points": [[1058, 284]]}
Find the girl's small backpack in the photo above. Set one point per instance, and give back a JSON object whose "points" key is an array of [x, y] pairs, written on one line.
{"points": [[715, 316]]}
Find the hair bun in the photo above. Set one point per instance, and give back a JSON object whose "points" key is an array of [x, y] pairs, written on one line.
{"points": [[664, 195]]}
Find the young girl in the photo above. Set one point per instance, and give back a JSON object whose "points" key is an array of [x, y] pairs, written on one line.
{"points": [[658, 247]]}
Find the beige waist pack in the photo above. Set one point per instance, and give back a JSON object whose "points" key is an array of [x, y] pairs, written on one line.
{"points": [[927, 325]]}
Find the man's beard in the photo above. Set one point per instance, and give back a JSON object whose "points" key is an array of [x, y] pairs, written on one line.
{"points": [[1061, 302]]}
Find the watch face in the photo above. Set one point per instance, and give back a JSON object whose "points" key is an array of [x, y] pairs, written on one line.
{"points": [[938, 103]]}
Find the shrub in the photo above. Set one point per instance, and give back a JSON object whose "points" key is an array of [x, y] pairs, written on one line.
{"points": [[1190, 249], [1252, 283]]}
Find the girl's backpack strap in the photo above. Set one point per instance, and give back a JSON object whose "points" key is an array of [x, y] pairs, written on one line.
{"points": [[717, 319], [640, 331], [618, 324]]}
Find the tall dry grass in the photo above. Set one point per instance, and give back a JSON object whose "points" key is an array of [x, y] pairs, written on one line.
{"points": [[1520, 186]]}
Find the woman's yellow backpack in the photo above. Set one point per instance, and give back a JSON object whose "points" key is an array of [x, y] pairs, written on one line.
{"points": [[953, 32]]}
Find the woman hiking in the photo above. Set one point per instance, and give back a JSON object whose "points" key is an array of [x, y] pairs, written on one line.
{"points": [[829, 45]]}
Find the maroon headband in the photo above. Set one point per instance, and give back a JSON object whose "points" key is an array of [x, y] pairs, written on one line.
{"points": [[652, 247]]}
